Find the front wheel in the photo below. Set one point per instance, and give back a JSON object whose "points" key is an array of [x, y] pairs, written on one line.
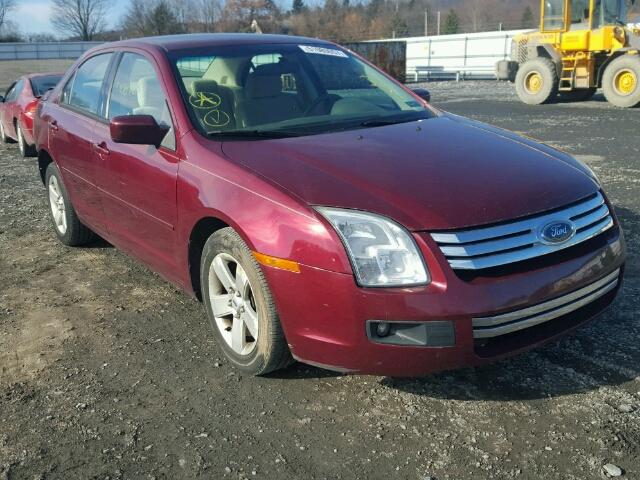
{"points": [[240, 306], [69, 229], [621, 81], [537, 81], [3, 134]]}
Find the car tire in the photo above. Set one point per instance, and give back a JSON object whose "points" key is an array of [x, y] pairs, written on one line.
{"points": [[537, 81], [3, 135], [240, 306], [621, 81], [26, 150], [69, 229], [581, 95]]}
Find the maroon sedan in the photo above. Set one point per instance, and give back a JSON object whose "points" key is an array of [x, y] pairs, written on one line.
{"points": [[322, 211], [18, 108]]}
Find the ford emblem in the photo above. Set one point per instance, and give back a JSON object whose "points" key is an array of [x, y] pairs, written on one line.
{"points": [[556, 232]]}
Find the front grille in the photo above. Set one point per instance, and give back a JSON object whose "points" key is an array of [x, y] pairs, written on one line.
{"points": [[489, 327], [487, 247]]}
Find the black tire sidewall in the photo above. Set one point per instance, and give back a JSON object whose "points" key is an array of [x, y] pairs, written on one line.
{"points": [[228, 241], [547, 71], [625, 62]]}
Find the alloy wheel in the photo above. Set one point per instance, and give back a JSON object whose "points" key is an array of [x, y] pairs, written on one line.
{"points": [[233, 304], [56, 201]]}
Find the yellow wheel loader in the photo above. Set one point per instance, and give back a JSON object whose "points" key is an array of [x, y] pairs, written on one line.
{"points": [[582, 45]]}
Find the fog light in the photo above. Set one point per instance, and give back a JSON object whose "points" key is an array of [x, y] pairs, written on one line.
{"points": [[382, 329], [434, 333]]}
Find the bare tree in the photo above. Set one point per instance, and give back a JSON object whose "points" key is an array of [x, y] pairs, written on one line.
{"points": [[79, 18], [5, 7]]}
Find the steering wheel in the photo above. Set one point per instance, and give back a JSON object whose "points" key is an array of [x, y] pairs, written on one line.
{"points": [[318, 101]]}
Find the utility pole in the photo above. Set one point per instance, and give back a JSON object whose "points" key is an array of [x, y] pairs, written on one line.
{"points": [[438, 30], [500, 27], [426, 23]]}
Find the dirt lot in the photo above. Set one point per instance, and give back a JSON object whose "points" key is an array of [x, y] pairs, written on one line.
{"points": [[10, 70], [109, 372]]}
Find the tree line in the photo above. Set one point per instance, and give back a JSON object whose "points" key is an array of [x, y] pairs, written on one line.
{"points": [[338, 20]]}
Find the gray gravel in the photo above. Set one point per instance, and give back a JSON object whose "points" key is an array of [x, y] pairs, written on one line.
{"points": [[106, 371]]}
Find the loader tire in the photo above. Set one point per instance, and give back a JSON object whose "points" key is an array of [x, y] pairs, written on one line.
{"points": [[621, 81], [537, 81]]}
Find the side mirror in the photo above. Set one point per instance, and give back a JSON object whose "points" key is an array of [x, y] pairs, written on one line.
{"points": [[137, 129], [423, 93]]}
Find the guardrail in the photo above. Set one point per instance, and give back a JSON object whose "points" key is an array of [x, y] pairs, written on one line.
{"points": [[44, 50]]}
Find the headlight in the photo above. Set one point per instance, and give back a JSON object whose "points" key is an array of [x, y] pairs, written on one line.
{"points": [[383, 254]]}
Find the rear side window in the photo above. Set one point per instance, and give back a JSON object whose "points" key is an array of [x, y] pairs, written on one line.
{"points": [[40, 85], [83, 90]]}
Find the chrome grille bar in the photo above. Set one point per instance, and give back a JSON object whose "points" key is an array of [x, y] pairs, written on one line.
{"points": [[488, 327], [486, 247]]}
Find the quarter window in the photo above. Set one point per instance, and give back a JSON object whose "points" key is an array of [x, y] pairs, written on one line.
{"points": [[84, 88], [137, 90], [14, 92]]}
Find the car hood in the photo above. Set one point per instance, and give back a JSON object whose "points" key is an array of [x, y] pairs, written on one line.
{"points": [[442, 173]]}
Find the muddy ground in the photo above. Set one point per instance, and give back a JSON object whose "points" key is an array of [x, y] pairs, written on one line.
{"points": [[107, 371]]}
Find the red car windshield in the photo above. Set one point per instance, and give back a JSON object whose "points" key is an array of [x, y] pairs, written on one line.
{"points": [[298, 89]]}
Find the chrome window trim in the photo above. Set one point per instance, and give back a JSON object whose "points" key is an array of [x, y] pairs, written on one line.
{"points": [[486, 247], [489, 327]]}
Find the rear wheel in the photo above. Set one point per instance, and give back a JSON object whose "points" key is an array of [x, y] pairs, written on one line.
{"points": [[26, 150], [240, 306], [621, 81], [537, 81], [581, 95], [68, 227]]}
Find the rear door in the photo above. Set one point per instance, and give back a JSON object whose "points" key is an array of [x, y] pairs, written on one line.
{"points": [[72, 137], [139, 181]]}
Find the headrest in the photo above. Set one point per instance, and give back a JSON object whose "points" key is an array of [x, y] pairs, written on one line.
{"points": [[209, 86], [264, 81], [149, 92]]}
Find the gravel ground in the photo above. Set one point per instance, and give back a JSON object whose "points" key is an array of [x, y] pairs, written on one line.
{"points": [[109, 372]]}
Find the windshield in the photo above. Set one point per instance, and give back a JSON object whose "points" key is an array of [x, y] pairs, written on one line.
{"points": [[40, 85], [288, 90]]}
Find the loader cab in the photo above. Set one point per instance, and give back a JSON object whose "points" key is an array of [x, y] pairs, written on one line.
{"points": [[565, 15]]}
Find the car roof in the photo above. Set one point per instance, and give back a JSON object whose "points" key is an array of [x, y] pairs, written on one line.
{"points": [[195, 40]]}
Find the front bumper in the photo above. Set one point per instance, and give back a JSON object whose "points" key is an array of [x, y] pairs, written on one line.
{"points": [[324, 314]]}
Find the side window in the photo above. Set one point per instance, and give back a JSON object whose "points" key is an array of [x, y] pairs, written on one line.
{"points": [[9, 95], [83, 90], [14, 92], [137, 90]]}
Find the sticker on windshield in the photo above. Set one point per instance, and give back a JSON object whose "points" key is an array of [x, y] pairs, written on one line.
{"points": [[323, 51]]}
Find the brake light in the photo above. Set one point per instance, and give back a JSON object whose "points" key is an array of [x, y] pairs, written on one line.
{"points": [[31, 108]]}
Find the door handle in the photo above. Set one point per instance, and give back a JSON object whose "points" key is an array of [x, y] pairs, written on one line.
{"points": [[53, 125], [101, 148]]}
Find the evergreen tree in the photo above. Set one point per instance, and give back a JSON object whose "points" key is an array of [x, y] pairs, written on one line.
{"points": [[527, 20], [298, 6], [451, 23]]}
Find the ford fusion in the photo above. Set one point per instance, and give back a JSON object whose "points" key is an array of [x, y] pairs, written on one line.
{"points": [[322, 211]]}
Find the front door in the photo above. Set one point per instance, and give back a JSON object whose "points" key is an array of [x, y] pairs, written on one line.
{"points": [[139, 181]]}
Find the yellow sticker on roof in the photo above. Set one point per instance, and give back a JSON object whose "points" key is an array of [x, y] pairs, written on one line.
{"points": [[334, 52]]}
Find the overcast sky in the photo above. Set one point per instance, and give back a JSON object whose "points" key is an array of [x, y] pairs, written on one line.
{"points": [[32, 16]]}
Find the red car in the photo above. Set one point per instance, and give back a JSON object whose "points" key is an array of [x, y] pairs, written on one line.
{"points": [[322, 211], [18, 108]]}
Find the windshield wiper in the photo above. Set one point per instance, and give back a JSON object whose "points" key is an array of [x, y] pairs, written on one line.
{"points": [[381, 122], [254, 134]]}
